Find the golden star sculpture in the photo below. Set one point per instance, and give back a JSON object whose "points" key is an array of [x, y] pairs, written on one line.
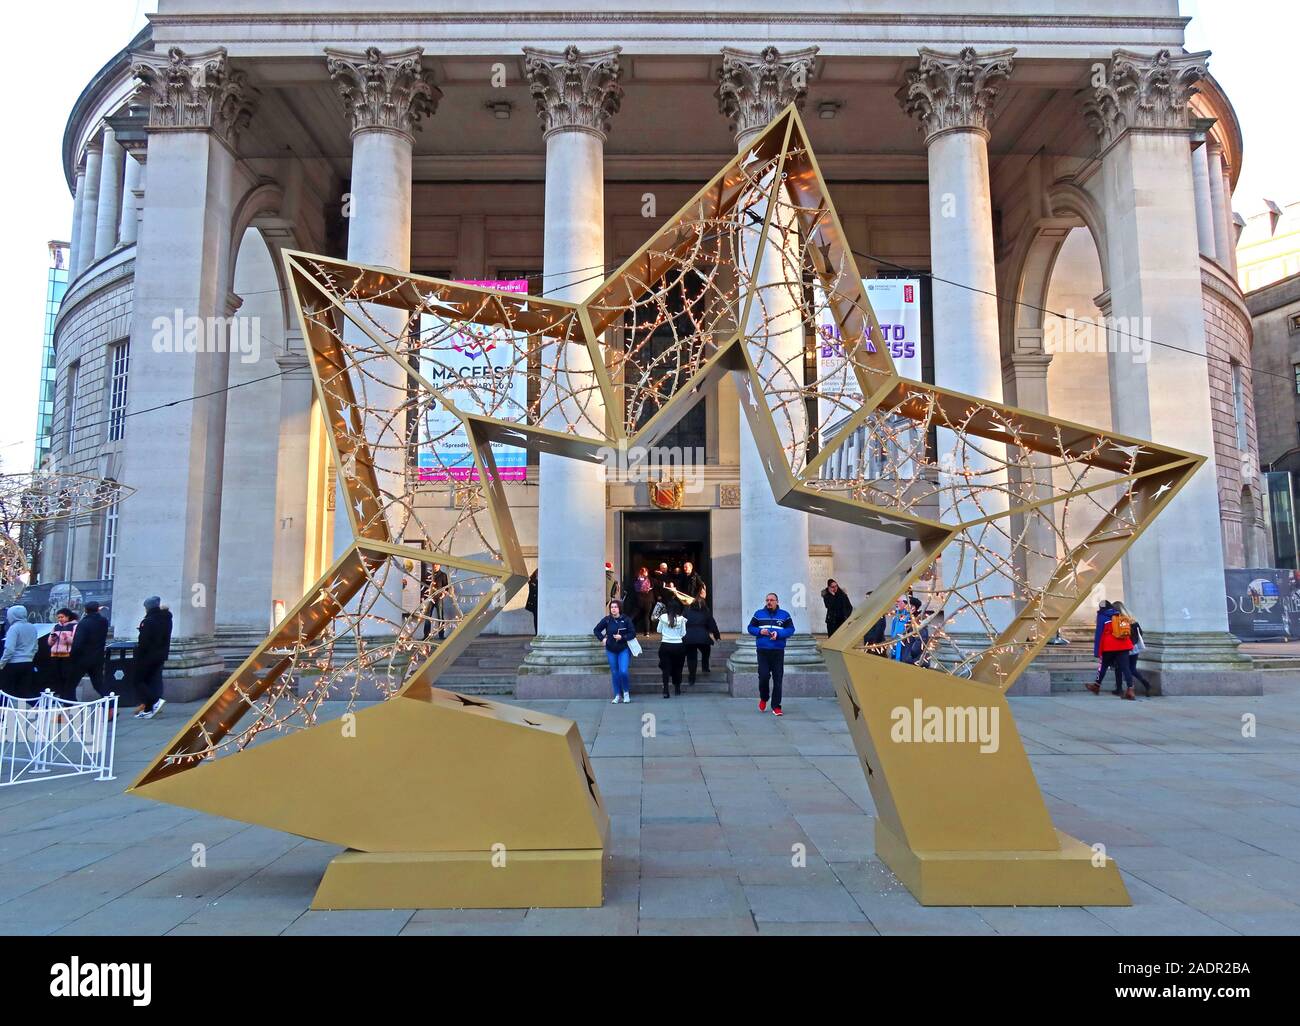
{"points": [[446, 800]]}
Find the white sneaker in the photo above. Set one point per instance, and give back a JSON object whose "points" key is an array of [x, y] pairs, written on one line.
{"points": [[626, 697], [157, 707], [614, 700]]}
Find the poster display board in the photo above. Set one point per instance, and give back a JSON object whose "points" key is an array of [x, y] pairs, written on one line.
{"points": [[481, 369]]}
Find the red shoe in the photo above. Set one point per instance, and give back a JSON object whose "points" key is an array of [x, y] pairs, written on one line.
{"points": [[1130, 696], [1094, 688], [762, 705], [776, 711]]}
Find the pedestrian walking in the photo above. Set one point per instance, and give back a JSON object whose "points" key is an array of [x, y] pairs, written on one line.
{"points": [[1115, 643], [616, 632], [151, 652], [58, 645], [688, 581], [770, 626], [1139, 646], [17, 675], [838, 606], [1105, 610], [661, 578], [672, 649], [531, 604], [437, 588], [642, 593], [88, 649], [701, 632]]}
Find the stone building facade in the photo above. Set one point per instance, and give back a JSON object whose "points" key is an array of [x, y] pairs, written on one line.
{"points": [[1079, 155]]}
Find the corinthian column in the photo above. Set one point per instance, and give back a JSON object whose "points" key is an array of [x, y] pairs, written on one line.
{"points": [[952, 97], [577, 95], [753, 88], [385, 96], [1173, 574], [170, 532]]}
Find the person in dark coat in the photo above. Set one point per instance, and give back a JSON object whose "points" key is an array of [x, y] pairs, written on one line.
{"points": [[701, 632], [435, 589], [1104, 612], [689, 582], [531, 604], [875, 636], [151, 652], [838, 606], [88, 648], [916, 647], [662, 578], [614, 632]]}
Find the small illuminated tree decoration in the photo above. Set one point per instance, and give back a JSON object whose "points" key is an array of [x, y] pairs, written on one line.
{"points": [[33, 499], [1014, 516]]}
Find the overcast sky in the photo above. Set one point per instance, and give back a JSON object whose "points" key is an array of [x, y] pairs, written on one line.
{"points": [[1253, 43]]}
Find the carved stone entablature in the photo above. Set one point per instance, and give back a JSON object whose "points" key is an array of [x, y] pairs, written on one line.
{"points": [[194, 91], [387, 92], [575, 91], [1143, 91], [955, 91], [753, 88]]}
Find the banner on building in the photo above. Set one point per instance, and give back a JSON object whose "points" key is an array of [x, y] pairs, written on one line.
{"points": [[1262, 604], [482, 369], [897, 305]]}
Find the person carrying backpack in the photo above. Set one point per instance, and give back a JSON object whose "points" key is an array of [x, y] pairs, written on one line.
{"points": [[1139, 645], [1116, 646]]}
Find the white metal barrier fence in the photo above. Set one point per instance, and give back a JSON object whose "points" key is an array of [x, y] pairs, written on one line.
{"points": [[46, 738]]}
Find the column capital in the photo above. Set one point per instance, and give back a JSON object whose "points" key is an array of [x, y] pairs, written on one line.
{"points": [[575, 91], [196, 92], [950, 92], [384, 92], [1143, 91], [753, 88]]}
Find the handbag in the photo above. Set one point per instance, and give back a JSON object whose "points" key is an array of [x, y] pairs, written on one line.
{"points": [[634, 646]]}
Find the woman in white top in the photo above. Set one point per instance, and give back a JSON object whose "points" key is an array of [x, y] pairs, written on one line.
{"points": [[672, 653]]}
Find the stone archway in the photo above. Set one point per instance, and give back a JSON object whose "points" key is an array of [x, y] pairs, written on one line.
{"points": [[1054, 342]]}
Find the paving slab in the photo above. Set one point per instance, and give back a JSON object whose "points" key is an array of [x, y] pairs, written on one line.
{"points": [[724, 822]]}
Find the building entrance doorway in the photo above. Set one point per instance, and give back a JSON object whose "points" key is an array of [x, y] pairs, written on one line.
{"points": [[673, 538]]}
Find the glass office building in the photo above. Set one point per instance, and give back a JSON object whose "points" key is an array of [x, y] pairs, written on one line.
{"points": [[56, 284]]}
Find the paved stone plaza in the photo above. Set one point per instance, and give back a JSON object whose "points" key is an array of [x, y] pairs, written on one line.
{"points": [[1204, 824]]}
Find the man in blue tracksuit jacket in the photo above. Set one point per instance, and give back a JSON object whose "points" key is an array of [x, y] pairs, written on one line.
{"points": [[770, 626]]}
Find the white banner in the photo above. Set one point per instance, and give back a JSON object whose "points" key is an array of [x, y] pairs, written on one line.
{"points": [[481, 369], [897, 305]]}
